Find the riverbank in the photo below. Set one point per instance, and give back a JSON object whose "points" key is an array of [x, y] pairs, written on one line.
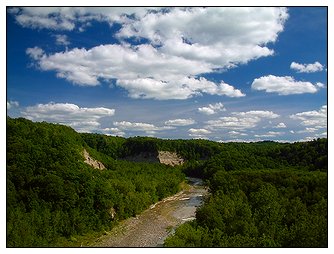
{"points": [[150, 228]]}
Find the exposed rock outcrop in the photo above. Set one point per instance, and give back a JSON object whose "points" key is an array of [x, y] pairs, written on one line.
{"points": [[170, 158], [92, 162]]}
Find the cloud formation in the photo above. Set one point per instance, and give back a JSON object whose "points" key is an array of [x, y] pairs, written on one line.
{"points": [[212, 108], [236, 133], [241, 120], [126, 63], [62, 39], [269, 134], [35, 53], [81, 119], [199, 133], [70, 18], [113, 132], [314, 118], [137, 126], [180, 122], [307, 68], [285, 85], [222, 36], [176, 53], [142, 70], [280, 126], [12, 104]]}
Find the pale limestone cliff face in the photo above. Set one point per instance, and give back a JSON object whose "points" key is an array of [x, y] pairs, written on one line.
{"points": [[92, 162], [170, 158]]}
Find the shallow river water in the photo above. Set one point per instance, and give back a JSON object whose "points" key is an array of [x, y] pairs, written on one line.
{"points": [[150, 228]]}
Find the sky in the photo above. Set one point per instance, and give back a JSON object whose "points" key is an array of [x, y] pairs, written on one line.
{"points": [[218, 73]]}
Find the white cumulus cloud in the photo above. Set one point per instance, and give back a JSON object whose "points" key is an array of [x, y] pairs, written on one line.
{"points": [[280, 125], [128, 63], [212, 108], [236, 133], [241, 120], [142, 70], [81, 119], [138, 126], [113, 132], [320, 85], [308, 129], [222, 36], [283, 85], [12, 104], [69, 18], [182, 44], [43, 17], [258, 114], [35, 53], [314, 118], [198, 133], [180, 122], [269, 134], [308, 68], [62, 39]]}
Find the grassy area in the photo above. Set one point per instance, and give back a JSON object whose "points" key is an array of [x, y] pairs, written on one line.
{"points": [[184, 186], [80, 240]]}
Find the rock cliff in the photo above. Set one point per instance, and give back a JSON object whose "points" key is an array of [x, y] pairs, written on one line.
{"points": [[170, 158], [92, 162]]}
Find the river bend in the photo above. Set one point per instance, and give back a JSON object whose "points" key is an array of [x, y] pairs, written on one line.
{"points": [[151, 227]]}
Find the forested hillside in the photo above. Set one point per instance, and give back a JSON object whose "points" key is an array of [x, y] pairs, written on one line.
{"points": [[53, 196], [263, 194]]}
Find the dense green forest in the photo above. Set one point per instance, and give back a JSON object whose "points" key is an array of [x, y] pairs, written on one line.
{"points": [[53, 195], [263, 194]]}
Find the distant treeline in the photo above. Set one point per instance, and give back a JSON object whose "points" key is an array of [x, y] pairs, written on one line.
{"points": [[263, 194], [204, 156]]}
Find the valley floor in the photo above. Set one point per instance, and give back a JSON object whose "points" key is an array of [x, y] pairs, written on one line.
{"points": [[151, 228]]}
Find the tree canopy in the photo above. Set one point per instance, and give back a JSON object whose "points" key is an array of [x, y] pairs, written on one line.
{"points": [[263, 194]]}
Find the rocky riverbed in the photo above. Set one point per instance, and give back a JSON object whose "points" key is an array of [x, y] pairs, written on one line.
{"points": [[150, 228]]}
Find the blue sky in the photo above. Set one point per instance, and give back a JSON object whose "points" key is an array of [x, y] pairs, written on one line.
{"points": [[224, 74]]}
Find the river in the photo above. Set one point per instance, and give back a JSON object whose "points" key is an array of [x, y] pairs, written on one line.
{"points": [[151, 227]]}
